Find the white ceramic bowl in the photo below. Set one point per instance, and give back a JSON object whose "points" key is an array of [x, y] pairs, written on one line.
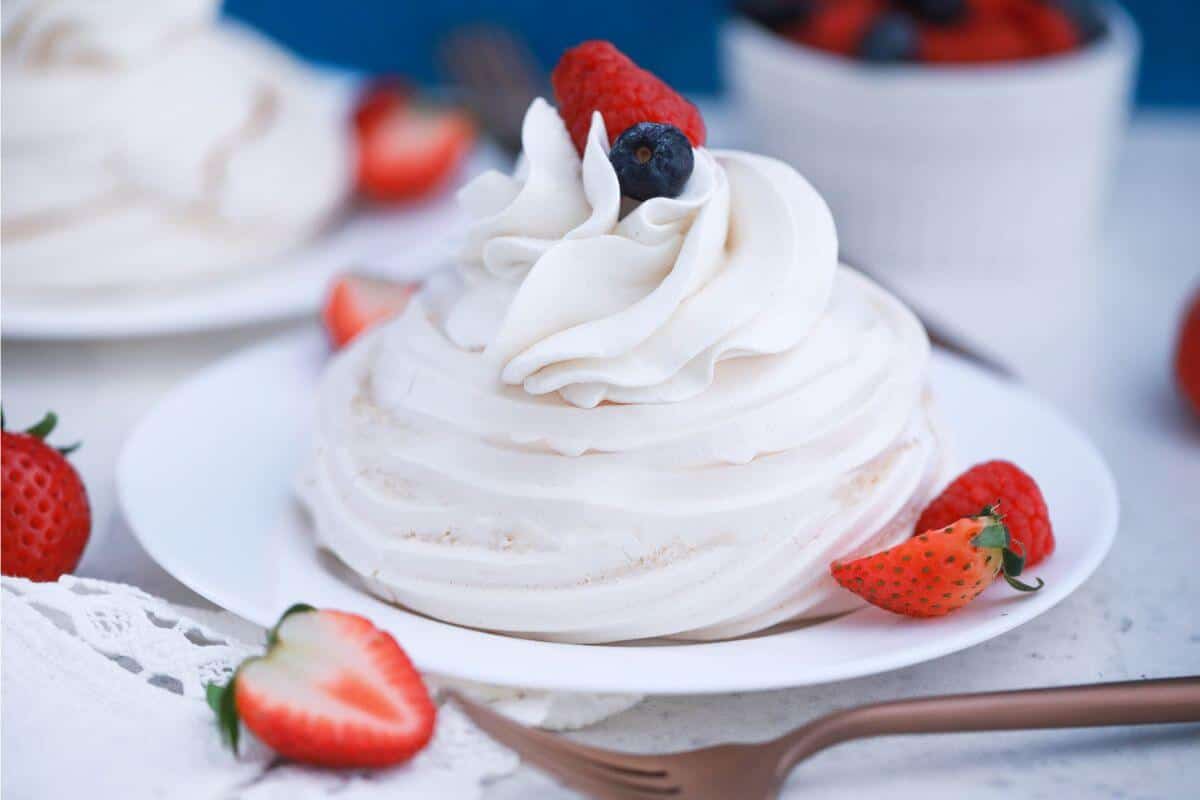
{"points": [[966, 173]]}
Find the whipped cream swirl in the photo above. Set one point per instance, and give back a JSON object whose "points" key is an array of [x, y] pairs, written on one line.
{"points": [[640, 308], [628, 420], [145, 143]]}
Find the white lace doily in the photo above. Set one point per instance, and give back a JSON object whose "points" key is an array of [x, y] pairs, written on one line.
{"points": [[103, 697]]}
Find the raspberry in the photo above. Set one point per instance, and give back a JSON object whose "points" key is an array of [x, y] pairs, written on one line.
{"points": [[596, 76], [837, 27], [1018, 496], [1187, 354]]}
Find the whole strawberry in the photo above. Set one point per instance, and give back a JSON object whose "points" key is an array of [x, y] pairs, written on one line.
{"points": [[596, 76], [1002, 484], [938, 571], [45, 514], [331, 690], [1187, 354]]}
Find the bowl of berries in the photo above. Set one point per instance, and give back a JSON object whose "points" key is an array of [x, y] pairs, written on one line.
{"points": [[955, 140]]}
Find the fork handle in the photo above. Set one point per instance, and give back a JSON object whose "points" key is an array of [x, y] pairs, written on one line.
{"points": [[1144, 702]]}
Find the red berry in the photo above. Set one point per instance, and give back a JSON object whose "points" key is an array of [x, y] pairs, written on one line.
{"points": [[837, 27], [937, 571], [406, 151], [979, 39], [356, 302], [1187, 354], [992, 8], [46, 519], [596, 76], [1007, 486], [331, 690], [1050, 28]]}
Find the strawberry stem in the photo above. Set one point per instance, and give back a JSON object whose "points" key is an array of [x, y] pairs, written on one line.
{"points": [[995, 536]]}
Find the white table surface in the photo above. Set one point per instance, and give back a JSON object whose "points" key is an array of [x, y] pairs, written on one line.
{"points": [[1100, 353]]}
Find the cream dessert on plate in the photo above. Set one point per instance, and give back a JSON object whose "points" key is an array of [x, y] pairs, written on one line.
{"points": [[624, 419], [149, 143]]}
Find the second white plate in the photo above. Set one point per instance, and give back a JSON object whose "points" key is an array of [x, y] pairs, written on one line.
{"points": [[205, 481]]}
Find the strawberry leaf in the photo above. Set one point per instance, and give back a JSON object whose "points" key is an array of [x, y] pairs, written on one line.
{"points": [[222, 700], [212, 695], [1014, 562], [43, 428], [1021, 586], [993, 536]]}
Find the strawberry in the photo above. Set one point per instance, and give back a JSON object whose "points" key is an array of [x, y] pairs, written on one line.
{"points": [[938, 571], [979, 38], [596, 76], [1003, 484], [381, 98], [406, 151], [837, 27], [1187, 354], [1050, 28], [355, 303], [331, 690], [46, 519]]}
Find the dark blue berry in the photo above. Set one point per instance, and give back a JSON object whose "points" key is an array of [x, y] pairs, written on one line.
{"points": [[1085, 15], [891, 37], [938, 12], [776, 14], [652, 160]]}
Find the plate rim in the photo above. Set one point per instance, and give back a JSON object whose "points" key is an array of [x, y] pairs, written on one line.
{"points": [[1106, 512]]}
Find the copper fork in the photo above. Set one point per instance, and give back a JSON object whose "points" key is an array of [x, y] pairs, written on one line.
{"points": [[753, 771]]}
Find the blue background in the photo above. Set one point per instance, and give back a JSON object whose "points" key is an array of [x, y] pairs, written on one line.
{"points": [[675, 38]]}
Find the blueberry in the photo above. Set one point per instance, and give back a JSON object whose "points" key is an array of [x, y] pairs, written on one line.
{"points": [[1085, 15], [939, 12], [891, 37], [652, 160], [776, 14]]}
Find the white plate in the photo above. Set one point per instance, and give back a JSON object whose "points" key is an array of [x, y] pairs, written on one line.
{"points": [[205, 481], [400, 242]]}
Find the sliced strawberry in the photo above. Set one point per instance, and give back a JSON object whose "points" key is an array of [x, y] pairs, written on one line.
{"points": [[938, 571], [355, 303], [380, 99], [1187, 354], [406, 151], [331, 690]]}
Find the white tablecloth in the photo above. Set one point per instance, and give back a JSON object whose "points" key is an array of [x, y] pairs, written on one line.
{"points": [[1101, 355]]}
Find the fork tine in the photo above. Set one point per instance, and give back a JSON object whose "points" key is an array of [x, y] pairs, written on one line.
{"points": [[633, 763], [568, 759]]}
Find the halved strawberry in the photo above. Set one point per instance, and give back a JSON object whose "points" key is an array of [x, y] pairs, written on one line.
{"points": [[406, 150], [380, 99], [331, 690], [938, 571], [355, 303]]}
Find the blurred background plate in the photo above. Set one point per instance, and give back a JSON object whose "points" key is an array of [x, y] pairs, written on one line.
{"points": [[216, 510], [399, 242]]}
